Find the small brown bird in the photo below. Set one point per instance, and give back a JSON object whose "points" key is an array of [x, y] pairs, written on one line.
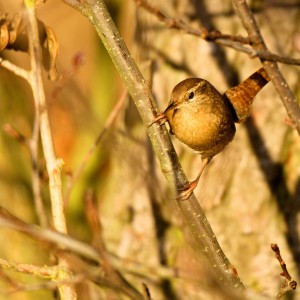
{"points": [[203, 119]]}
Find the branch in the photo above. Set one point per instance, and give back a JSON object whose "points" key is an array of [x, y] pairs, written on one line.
{"points": [[232, 41], [94, 270], [7, 220], [139, 90], [53, 164], [280, 84], [202, 33], [67, 292], [41, 124], [107, 274]]}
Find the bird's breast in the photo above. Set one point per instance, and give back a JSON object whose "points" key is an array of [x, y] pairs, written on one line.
{"points": [[202, 128]]}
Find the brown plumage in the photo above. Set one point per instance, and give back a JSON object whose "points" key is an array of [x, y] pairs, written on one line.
{"points": [[200, 117], [203, 119]]}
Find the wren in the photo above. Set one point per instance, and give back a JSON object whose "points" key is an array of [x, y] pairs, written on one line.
{"points": [[203, 119]]}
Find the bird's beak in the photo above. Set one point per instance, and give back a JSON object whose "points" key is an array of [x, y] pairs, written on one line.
{"points": [[169, 107]]}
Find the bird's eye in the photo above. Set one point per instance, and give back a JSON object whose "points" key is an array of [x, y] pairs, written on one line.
{"points": [[191, 95]]}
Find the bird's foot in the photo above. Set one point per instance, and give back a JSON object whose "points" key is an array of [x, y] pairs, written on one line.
{"points": [[186, 191], [162, 118]]}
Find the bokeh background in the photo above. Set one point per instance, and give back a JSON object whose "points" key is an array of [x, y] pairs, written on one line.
{"points": [[250, 192]]}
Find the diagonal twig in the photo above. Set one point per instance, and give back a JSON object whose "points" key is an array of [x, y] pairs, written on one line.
{"points": [[236, 42], [110, 120]]}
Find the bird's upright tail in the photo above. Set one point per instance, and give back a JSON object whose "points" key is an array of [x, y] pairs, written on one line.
{"points": [[242, 95]]}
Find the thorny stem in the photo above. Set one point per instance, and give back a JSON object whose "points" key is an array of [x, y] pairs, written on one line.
{"points": [[139, 90], [53, 165]]}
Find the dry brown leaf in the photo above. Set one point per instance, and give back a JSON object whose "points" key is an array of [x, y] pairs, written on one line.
{"points": [[13, 36]]}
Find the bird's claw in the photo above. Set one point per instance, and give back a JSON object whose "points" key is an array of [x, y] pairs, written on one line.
{"points": [[187, 190], [161, 117]]}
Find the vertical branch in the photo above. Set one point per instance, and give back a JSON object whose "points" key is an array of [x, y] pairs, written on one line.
{"points": [[285, 93], [36, 184], [54, 165]]}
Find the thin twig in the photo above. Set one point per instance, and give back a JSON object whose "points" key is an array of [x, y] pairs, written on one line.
{"points": [[36, 178], [15, 69], [147, 295], [176, 23], [43, 272], [47, 272], [286, 95], [48, 285], [140, 92], [110, 276], [127, 265], [113, 277], [110, 120], [232, 41], [32, 146], [92, 214], [266, 55], [54, 238], [46, 235], [14, 133], [291, 283], [67, 292]]}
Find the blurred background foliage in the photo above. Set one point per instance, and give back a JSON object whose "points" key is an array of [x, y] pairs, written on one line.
{"points": [[79, 104], [250, 193]]}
